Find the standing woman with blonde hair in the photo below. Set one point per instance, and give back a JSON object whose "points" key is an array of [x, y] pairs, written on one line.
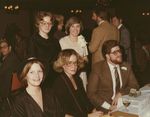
{"points": [[75, 41]]}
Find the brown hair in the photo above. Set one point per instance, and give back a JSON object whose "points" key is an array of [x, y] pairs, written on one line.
{"points": [[59, 18], [4, 40], [71, 21], [40, 15], [26, 67], [102, 13], [107, 46], [63, 58]]}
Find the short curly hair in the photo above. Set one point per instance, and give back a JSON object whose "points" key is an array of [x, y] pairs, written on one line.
{"points": [[63, 59], [40, 15]]}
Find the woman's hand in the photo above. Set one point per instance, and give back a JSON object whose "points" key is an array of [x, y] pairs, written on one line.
{"points": [[85, 58], [113, 107], [67, 115], [96, 114]]}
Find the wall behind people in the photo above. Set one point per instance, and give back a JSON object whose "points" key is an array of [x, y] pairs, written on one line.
{"points": [[21, 18]]}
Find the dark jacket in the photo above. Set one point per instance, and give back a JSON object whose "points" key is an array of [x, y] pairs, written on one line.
{"points": [[9, 65], [74, 102], [25, 105], [43, 49], [46, 50]]}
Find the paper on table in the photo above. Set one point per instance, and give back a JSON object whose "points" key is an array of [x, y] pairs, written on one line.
{"points": [[145, 89], [120, 104]]}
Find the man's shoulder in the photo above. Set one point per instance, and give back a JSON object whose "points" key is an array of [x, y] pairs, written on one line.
{"points": [[99, 65], [123, 29], [99, 27]]}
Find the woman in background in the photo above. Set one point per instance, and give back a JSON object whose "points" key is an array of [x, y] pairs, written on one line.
{"points": [[58, 27], [35, 101], [68, 86], [75, 41]]}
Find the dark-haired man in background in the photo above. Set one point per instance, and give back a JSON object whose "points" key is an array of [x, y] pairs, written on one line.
{"points": [[104, 31], [124, 40]]}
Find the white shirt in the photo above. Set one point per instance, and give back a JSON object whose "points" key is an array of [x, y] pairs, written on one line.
{"points": [[80, 46], [112, 70], [120, 26], [99, 23]]}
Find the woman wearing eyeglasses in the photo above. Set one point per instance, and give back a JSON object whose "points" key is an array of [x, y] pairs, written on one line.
{"points": [[74, 40], [42, 45], [69, 87]]}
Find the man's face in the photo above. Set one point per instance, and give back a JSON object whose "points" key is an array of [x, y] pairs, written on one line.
{"points": [[94, 16], [115, 21], [115, 56], [5, 49]]}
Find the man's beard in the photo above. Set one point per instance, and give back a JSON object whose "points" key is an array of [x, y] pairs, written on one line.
{"points": [[116, 61]]}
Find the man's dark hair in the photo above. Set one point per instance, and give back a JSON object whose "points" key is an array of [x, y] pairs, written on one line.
{"points": [[102, 13], [117, 15], [107, 46]]}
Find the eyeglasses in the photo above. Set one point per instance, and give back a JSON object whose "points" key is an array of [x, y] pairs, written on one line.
{"points": [[71, 63], [44, 23], [116, 52], [3, 47]]}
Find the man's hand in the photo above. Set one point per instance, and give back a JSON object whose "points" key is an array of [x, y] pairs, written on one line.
{"points": [[115, 100]]}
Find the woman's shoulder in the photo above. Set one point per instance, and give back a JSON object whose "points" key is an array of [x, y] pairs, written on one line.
{"points": [[65, 38], [19, 98]]}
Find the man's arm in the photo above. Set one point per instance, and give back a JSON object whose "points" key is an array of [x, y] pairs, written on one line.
{"points": [[92, 90], [125, 39], [97, 36], [131, 82]]}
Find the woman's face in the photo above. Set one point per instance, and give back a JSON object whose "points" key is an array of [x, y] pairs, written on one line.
{"points": [[70, 68], [75, 29], [35, 75], [45, 25]]}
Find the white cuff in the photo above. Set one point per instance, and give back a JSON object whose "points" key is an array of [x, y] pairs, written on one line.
{"points": [[106, 105]]}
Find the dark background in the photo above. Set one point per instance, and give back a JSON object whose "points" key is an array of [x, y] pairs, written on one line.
{"points": [[136, 15]]}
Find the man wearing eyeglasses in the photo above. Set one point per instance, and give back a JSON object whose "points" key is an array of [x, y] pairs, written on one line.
{"points": [[110, 78]]}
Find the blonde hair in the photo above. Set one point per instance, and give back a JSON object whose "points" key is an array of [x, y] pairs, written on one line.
{"points": [[64, 57]]}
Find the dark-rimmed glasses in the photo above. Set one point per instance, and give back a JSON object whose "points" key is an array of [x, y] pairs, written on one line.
{"points": [[71, 63], [116, 52], [44, 23]]}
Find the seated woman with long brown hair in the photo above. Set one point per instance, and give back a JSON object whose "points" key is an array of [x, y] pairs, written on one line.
{"points": [[35, 101]]}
